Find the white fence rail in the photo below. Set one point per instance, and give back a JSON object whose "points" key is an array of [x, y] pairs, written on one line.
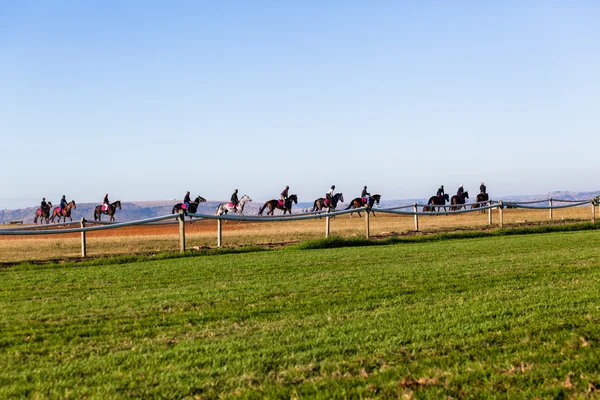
{"points": [[59, 228]]}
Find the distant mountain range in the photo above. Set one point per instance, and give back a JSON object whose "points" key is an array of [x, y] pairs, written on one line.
{"points": [[137, 210]]}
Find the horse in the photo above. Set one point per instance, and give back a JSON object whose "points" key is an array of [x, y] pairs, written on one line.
{"points": [[320, 203], [110, 210], [66, 212], [361, 202], [193, 206], [42, 213], [481, 197], [274, 204], [457, 201], [436, 201], [224, 208]]}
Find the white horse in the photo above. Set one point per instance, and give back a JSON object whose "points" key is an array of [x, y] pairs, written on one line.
{"points": [[224, 208]]}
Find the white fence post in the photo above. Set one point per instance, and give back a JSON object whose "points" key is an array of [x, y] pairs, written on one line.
{"points": [[327, 226], [181, 231], [593, 201], [83, 241], [489, 214], [550, 201], [501, 212], [367, 228], [219, 233], [416, 218]]}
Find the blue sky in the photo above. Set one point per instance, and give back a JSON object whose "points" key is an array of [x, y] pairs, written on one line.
{"points": [[145, 100]]}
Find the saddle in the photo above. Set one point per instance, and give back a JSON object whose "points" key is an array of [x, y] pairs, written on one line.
{"points": [[327, 202], [104, 207], [184, 206], [280, 203], [231, 205], [39, 211], [364, 200]]}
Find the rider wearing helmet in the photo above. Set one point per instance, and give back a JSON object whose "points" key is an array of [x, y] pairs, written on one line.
{"points": [[43, 204], [329, 194], [284, 194], [186, 200], [482, 188], [460, 191], [366, 195], [234, 199], [106, 202], [63, 203], [440, 192]]}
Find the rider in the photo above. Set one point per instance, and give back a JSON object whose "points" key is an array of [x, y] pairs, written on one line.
{"points": [[44, 205], [234, 199], [63, 204], [440, 192], [284, 195], [329, 194], [460, 191], [186, 200], [366, 195], [105, 202], [482, 188]]}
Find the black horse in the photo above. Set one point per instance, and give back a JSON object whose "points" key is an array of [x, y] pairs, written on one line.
{"points": [[110, 211], [193, 206], [320, 203], [439, 201], [481, 198], [457, 201], [43, 213], [361, 202], [274, 204]]}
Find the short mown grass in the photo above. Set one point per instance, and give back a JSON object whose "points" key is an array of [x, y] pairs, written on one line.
{"points": [[510, 316]]}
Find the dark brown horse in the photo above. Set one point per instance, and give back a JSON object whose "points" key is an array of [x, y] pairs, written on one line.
{"points": [[359, 202], [111, 210], [66, 212], [274, 204], [457, 201], [439, 201], [193, 206], [320, 203], [43, 213], [481, 197]]}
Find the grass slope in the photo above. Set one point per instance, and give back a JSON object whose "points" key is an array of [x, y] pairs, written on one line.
{"points": [[508, 316]]}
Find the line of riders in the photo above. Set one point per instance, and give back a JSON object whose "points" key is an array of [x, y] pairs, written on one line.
{"points": [[329, 202], [456, 201]]}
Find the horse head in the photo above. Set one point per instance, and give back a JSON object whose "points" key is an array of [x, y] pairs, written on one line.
{"points": [[339, 197], [72, 204], [376, 197], [199, 199], [293, 198], [446, 197], [117, 204], [466, 195]]}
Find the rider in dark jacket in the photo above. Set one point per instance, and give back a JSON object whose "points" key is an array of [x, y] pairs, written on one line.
{"points": [[63, 203], [234, 199], [440, 192], [106, 202], [43, 204], [482, 188], [186, 199], [460, 191]]}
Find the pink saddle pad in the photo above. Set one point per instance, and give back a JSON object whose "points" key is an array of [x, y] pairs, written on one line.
{"points": [[183, 206], [280, 203]]}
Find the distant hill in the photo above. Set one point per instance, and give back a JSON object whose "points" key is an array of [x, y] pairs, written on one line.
{"points": [[137, 210]]}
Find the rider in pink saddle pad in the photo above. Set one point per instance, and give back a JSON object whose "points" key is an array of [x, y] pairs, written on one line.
{"points": [[63, 203], [284, 196], [43, 206], [234, 200], [105, 203], [365, 196], [186, 201], [329, 195]]}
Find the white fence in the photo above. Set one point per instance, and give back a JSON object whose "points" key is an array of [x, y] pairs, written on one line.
{"points": [[80, 227]]}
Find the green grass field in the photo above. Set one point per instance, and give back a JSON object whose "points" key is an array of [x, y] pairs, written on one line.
{"points": [[503, 317]]}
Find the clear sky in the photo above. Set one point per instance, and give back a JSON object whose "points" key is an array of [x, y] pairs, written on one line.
{"points": [[146, 99]]}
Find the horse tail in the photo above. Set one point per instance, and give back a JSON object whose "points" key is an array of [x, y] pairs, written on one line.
{"points": [[350, 206], [262, 208], [174, 209], [35, 219]]}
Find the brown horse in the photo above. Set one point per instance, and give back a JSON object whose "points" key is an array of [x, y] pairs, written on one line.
{"points": [[111, 211], [274, 204], [43, 213], [457, 201], [436, 201], [320, 203], [66, 212], [359, 202], [481, 197]]}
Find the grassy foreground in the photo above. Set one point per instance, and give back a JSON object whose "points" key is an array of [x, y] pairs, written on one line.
{"points": [[508, 316]]}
